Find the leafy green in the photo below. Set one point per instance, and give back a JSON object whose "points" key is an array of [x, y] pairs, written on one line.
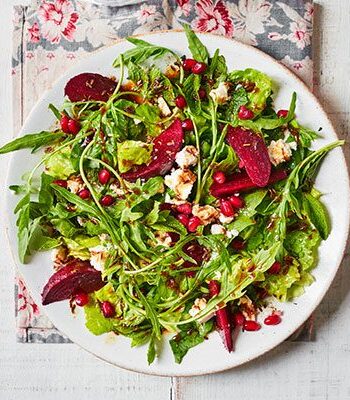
{"points": [[143, 51], [31, 141], [131, 152], [262, 87], [59, 164], [303, 246], [317, 214], [188, 338], [197, 48]]}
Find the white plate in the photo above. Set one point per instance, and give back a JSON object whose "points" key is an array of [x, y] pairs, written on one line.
{"points": [[211, 356]]}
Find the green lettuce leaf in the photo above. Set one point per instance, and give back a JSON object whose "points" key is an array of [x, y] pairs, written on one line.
{"points": [[59, 165], [303, 245], [278, 285], [132, 153], [263, 87]]}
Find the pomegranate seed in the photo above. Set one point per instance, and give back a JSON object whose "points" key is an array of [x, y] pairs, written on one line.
{"points": [[104, 176], [236, 201], [199, 68], [238, 244], [193, 224], [273, 319], [238, 319], [107, 309], [84, 194], [81, 299], [107, 200], [202, 93], [282, 113], [187, 124], [183, 218], [73, 126], [275, 268], [219, 177], [60, 182], [245, 113], [188, 63], [64, 123], [251, 326], [180, 102], [226, 208], [185, 208]]}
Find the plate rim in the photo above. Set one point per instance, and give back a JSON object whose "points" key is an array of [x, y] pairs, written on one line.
{"points": [[262, 54]]}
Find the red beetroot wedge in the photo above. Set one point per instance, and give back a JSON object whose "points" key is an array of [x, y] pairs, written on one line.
{"points": [[76, 275], [252, 151], [223, 320], [89, 86], [165, 147], [240, 182]]}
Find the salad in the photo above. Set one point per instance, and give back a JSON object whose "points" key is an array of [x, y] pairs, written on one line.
{"points": [[176, 200]]}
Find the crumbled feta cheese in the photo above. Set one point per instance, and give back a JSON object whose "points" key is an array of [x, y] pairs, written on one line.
{"points": [[217, 229], [279, 151], [220, 94], [163, 106], [117, 190], [75, 184], [98, 257], [225, 220], [206, 214], [198, 306], [181, 182], [187, 156], [81, 221], [163, 238], [232, 233]]}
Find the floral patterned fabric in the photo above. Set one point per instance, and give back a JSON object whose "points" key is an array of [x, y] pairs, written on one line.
{"points": [[51, 35]]}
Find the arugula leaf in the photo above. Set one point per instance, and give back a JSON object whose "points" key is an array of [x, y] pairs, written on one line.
{"points": [[217, 68], [33, 140], [151, 353], [197, 48], [150, 313], [317, 214], [55, 111], [191, 337], [144, 51]]}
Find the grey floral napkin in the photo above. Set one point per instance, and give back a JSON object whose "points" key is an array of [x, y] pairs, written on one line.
{"points": [[51, 35]]}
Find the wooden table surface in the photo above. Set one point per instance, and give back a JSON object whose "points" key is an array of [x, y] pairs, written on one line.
{"points": [[317, 370]]}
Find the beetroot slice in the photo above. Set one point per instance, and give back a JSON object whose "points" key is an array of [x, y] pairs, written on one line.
{"points": [[223, 320], [240, 182], [165, 147], [89, 86], [252, 151], [76, 275]]}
